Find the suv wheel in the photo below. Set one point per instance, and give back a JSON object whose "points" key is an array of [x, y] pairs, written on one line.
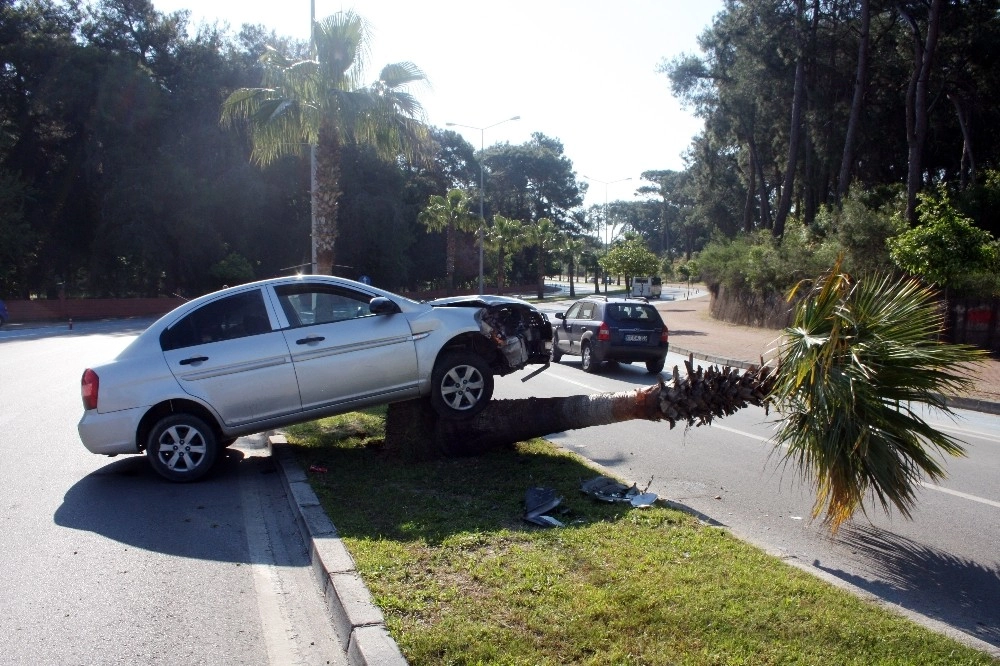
{"points": [[587, 360], [556, 353], [655, 367], [461, 385], [181, 447]]}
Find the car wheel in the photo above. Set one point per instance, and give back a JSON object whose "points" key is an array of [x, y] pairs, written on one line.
{"points": [[182, 447], [587, 360], [655, 367], [461, 385], [556, 353]]}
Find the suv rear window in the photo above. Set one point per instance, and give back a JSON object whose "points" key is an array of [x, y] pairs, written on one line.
{"points": [[632, 312]]}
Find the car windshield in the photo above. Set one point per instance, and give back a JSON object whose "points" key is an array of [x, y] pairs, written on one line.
{"points": [[632, 312]]}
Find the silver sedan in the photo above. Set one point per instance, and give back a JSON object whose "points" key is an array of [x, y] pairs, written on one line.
{"points": [[287, 350]]}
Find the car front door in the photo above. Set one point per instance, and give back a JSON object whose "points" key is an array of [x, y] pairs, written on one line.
{"points": [[228, 354], [343, 353], [574, 325]]}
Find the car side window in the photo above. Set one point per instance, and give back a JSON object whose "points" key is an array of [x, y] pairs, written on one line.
{"points": [[586, 311], [236, 316], [308, 304], [573, 312]]}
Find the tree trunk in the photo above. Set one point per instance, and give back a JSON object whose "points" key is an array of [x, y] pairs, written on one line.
{"points": [[415, 432], [794, 132], [327, 196], [917, 120], [857, 102]]}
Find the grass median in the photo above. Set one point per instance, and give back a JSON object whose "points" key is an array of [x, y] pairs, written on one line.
{"points": [[462, 579]]}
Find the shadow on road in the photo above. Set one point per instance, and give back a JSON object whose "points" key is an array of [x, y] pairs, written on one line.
{"points": [[965, 592], [127, 502]]}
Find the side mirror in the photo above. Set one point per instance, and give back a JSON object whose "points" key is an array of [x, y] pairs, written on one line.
{"points": [[380, 305], [560, 315]]}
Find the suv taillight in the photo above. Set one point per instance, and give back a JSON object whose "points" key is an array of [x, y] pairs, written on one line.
{"points": [[665, 335], [89, 386], [604, 333]]}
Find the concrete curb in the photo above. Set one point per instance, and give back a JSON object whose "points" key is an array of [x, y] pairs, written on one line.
{"points": [[358, 622]]}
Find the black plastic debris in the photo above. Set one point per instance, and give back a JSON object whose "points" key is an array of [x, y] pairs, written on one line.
{"points": [[537, 503], [607, 489]]}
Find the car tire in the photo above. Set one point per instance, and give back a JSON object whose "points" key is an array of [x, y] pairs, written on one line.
{"points": [[655, 367], [587, 360], [461, 385], [556, 353], [182, 448]]}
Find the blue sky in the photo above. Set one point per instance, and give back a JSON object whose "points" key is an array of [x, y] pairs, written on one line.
{"points": [[581, 71]]}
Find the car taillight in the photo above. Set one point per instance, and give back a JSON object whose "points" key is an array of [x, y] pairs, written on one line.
{"points": [[664, 335], [89, 386], [604, 333]]}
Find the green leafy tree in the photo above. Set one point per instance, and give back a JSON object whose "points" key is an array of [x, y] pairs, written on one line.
{"points": [[450, 214], [945, 249], [322, 102], [630, 257]]}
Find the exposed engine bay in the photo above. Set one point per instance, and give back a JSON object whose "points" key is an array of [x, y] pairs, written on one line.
{"points": [[517, 328]]}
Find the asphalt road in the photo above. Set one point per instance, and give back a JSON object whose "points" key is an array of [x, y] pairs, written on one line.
{"points": [[106, 563], [942, 567]]}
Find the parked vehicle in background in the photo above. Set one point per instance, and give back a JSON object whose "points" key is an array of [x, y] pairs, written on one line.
{"points": [[4, 315], [287, 350], [599, 329], [647, 287]]}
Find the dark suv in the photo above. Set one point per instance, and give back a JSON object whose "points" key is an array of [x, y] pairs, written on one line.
{"points": [[602, 329]]}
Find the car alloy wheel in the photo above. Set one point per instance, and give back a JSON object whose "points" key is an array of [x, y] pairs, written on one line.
{"points": [[587, 361], [461, 385], [181, 447]]}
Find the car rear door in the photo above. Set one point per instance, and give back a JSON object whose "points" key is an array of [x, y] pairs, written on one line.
{"points": [[228, 354], [343, 354]]}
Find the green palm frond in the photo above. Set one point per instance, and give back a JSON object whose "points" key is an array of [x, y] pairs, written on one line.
{"points": [[858, 360]]}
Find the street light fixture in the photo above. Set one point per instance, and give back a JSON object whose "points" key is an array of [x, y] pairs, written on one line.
{"points": [[482, 215], [607, 240]]}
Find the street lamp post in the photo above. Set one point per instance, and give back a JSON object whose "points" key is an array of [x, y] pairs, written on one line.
{"points": [[607, 240], [482, 215]]}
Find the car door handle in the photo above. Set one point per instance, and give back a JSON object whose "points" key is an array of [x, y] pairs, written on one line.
{"points": [[311, 338], [193, 359]]}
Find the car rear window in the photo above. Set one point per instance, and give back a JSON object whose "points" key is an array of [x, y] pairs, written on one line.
{"points": [[633, 312]]}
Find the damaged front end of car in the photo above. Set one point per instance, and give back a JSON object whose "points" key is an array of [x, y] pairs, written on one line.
{"points": [[520, 332]]}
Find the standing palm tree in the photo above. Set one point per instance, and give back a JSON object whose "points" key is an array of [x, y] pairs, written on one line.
{"points": [[571, 247], [544, 235], [321, 102], [504, 236], [449, 214], [858, 359]]}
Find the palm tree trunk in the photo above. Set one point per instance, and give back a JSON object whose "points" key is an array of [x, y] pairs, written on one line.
{"points": [[325, 231], [414, 431]]}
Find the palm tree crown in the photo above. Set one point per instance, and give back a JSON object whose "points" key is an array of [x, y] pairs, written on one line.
{"points": [[322, 102]]}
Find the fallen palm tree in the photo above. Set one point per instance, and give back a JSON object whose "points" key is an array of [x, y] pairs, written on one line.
{"points": [[851, 372]]}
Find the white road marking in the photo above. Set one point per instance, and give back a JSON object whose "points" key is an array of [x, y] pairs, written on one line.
{"points": [[929, 486], [956, 493]]}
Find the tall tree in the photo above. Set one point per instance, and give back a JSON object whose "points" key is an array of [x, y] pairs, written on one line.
{"points": [[503, 237], [450, 214], [924, 38], [322, 102], [544, 236]]}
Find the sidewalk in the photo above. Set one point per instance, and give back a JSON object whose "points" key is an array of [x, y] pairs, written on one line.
{"points": [[693, 330]]}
